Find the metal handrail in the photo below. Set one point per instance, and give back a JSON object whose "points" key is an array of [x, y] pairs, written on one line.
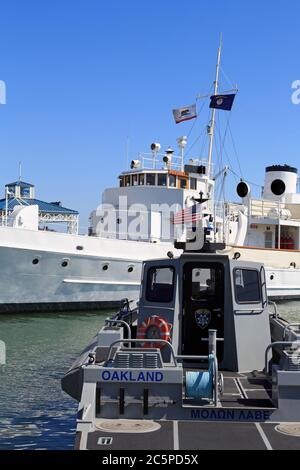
{"points": [[288, 327], [192, 358], [120, 322], [143, 341], [249, 310], [273, 345], [275, 308]]}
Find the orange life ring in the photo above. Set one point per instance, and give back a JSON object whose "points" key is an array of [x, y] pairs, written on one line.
{"points": [[155, 328]]}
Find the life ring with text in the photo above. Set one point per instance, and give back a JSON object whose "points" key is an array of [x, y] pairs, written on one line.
{"points": [[155, 328]]}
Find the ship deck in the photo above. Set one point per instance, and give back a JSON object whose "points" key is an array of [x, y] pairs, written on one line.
{"points": [[238, 423]]}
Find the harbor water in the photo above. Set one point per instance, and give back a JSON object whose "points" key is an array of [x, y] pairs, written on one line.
{"points": [[34, 412]]}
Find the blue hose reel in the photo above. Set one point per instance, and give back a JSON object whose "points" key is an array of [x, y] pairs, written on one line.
{"points": [[200, 385]]}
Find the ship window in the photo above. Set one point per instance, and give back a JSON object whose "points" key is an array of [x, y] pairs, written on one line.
{"points": [[172, 181], [105, 267], [122, 182], [135, 180], [35, 261], [127, 181], [142, 179], [150, 179], [183, 183], [193, 184], [162, 180], [268, 240], [247, 286], [65, 263], [160, 285], [130, 269]]}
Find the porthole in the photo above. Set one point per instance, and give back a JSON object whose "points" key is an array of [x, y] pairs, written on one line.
{"points": [[105, 267], [272, 277], [35, 261], [130, 269], [79, 248], [65, 264]]}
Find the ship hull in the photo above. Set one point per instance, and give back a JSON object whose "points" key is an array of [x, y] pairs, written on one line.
{"points": [[101, 273], [56, 272]]}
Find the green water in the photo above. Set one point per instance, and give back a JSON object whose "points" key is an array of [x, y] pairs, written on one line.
{"points": [[34, 412]]}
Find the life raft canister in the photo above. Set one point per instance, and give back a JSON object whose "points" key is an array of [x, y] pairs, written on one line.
{"points": [[155, 328]]}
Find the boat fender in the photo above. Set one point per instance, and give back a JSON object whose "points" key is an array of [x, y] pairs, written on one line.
{"points": [[155, 328]]}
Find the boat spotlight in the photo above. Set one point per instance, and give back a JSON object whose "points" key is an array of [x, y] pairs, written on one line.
{"points": [[135, 164], [168, 156], [155, 147]]}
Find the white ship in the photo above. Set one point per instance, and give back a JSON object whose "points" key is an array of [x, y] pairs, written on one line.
{"points": [[268, 229], [46, 270]]}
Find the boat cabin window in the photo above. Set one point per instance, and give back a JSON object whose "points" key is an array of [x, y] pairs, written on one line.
{"points": [[122, 182], [142, 179], [160, 285], [193, 184], [127, 181], [150, 179], [247, 286], [172, 181], [162, 180], [205, 282]]}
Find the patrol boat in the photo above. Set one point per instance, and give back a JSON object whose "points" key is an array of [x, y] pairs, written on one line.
{"points": [[201, 363]]}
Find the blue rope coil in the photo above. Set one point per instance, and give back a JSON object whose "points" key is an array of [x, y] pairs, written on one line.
{"points": [[199, 385]]}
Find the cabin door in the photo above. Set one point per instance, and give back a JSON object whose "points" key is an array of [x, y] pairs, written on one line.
{"points": [[203, 307]]}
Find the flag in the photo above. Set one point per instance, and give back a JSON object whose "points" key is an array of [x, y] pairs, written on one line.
{"points": [[224, 102], [185, 114], [188, 216]]}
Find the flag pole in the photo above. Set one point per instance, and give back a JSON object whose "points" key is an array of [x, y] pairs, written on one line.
{"points": [[211, 127]]}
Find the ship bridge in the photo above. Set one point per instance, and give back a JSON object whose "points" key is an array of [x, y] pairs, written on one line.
{"points": [[20, 193]]}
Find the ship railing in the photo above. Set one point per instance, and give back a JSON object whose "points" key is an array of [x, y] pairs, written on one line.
{"points": [[154, 161], [278, 344], [291, 328], [260, 208]]}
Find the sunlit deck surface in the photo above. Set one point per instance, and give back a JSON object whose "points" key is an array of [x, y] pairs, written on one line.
{"points": [[231, 426]]}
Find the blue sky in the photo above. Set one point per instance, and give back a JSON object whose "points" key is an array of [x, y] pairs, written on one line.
{"points": [[83, 76]]}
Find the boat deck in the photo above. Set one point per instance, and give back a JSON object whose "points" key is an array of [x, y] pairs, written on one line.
{"points": [[183, 435], [238, 423]]}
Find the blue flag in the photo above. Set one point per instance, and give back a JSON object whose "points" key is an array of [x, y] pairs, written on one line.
{"points": [[224, 102]]}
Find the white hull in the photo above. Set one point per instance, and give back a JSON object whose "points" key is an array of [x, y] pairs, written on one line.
{"points": [[84, 284], [282, 270]]}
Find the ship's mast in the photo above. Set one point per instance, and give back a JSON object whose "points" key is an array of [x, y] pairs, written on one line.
{"points": [[211, 127]]}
